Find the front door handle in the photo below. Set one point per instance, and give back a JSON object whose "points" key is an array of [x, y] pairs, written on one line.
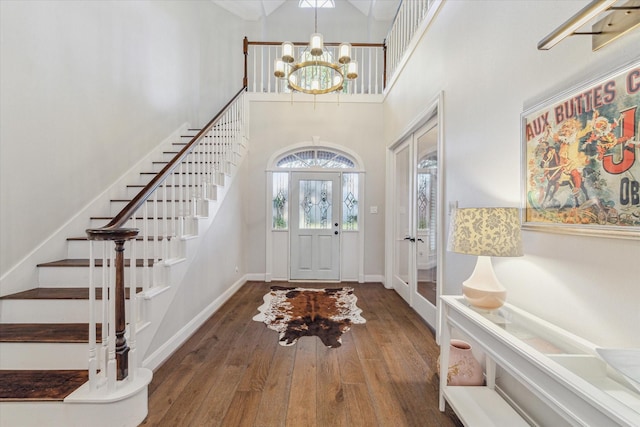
{"points": [[410, 239]]}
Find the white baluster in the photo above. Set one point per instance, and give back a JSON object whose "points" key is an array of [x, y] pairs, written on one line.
{"points": [[133, 333], [93, 362], [369, 57], [146, 279], [165, 220], [378, 83], [104, 350], [156, 228], [112, 366]]}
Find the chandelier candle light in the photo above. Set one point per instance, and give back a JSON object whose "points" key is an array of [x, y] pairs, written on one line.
{"points": [[485, 232], [315, 73]]}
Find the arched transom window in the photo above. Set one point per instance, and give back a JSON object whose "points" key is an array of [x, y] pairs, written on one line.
{"points": [[316, 159], [323, 159]]}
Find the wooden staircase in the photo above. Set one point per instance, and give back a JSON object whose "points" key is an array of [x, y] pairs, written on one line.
{"points": [[44, 330]]}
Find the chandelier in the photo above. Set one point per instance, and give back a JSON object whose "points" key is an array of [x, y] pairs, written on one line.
{"points": [[316, 72]]}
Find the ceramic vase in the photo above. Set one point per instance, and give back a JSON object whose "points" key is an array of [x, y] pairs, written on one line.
{"points": [[464, 369]]}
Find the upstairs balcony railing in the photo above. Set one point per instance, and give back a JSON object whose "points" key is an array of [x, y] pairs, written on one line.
{"points": [[260, 57], [377, 62], [410, 15]]}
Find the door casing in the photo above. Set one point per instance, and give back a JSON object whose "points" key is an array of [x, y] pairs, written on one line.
{"points": [[431, 116]]}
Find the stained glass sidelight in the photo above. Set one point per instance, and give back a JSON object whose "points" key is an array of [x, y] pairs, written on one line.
{"points": [[280, 201], [350, 201]]}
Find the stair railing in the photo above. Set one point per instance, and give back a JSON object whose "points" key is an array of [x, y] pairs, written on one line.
{"points": [[166, 210], [409, 17]]}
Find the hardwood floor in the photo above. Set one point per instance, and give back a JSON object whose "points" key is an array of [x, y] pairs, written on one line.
{"points": [[233, 372]]}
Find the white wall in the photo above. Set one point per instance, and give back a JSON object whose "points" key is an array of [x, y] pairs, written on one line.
{"points": [[483, 56], [279, 124], [89, 87], [212, 271], [342, 23]]}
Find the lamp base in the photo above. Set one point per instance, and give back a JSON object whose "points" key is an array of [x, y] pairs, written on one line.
{"points": [[484, 299], [483, 290]]}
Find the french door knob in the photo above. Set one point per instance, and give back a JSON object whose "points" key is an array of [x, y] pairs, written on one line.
{"points": [[335, 232]]}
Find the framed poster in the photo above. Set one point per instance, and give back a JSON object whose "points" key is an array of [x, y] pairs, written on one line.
{"points": [[581, 158]]}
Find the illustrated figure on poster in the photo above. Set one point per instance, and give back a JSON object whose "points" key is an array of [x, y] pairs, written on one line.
{"points": [[604, 137], [563, 165]]}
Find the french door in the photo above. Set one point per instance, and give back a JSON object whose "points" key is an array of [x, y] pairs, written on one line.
{"points": [[315, 226], [415, 213]]}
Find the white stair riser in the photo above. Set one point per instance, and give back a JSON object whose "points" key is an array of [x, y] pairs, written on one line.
{"points": [[84, 407], [218, 133], [79, 249], [209, 191], [190, 175], [139, 224], [175, 228], [48, 311], [216, 154], [55, 277], [180, 208], [44, 356]]}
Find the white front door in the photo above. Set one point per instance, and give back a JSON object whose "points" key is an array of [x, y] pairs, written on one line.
{"points": [[315, 226]]}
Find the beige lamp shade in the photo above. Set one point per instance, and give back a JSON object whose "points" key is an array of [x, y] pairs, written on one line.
{"points": [[485, 232]]}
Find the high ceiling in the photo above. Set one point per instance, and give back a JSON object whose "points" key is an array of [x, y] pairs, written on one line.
{"points": [[253, 10]]}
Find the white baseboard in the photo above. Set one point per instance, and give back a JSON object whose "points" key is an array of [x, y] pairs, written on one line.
{"points": [[378, 278], [159, 356], [264, 277]]}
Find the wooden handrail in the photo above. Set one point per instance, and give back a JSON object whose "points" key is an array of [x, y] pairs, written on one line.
{"points": [[119, 220]]}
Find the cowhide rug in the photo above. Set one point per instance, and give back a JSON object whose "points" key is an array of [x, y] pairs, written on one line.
{"points": [[299, 312]]}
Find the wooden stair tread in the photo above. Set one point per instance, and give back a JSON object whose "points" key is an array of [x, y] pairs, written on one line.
{"points": [[85, 263], [47, 332], [54, 385], [175, 173], [137, 218], [59, 294], [138, 238], [168, 186], [150, 200]]}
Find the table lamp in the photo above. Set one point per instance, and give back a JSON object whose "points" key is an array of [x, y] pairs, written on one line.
{"points": [[485, 232]]}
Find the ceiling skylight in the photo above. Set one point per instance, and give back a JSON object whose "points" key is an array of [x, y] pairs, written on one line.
{"points": [[316, 3]]}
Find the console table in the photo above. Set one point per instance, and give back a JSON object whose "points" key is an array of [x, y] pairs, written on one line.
{"points": [[561, 369]]}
